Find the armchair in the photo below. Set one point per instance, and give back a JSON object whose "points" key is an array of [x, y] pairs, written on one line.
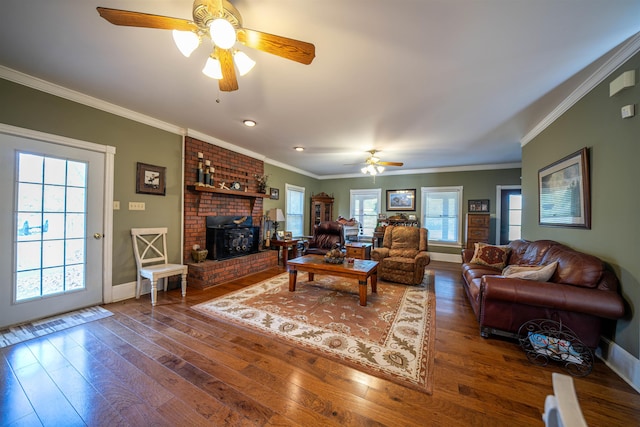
{"points": [[403, 255], [325, 236]]}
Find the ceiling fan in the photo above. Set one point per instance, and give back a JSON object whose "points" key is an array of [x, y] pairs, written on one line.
{"points": [[220, 21], [375, 166]]}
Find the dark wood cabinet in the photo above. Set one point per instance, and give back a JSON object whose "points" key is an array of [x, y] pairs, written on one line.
{"points": [[321, 209], [477, 229]]}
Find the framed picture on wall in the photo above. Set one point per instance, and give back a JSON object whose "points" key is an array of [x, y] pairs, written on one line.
{"points": [[479, 206], [150, 179], [564, 192], [401, 200], [275, 194]]}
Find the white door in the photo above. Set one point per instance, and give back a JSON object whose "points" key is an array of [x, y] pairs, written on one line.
{"points": [[51, 222]]}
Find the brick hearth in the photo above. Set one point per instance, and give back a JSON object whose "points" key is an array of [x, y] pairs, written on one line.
{"points": [[229, 167]]}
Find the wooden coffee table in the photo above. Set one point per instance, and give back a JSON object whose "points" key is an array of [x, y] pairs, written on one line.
{"points": [[360, 269]]}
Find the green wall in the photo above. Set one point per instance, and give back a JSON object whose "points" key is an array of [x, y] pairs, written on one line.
{"points": [[278, 177], [595, 122], [476, 185], [135, 142]]}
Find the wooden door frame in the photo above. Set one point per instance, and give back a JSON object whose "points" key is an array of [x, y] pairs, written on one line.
{"points": [[499, 189]]}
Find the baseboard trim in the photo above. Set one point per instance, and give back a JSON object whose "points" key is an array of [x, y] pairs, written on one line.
{"points": [[439, 256], [128, 290], [623, 363]]}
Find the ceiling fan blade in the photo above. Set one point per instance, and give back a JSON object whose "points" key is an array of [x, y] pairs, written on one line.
{"points": [[145, 20], [389, 163], [229, 82], [284, 47]]}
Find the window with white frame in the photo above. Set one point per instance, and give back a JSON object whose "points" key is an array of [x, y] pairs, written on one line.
{"points": [[441, 208], [294, 205], [365, 207]]}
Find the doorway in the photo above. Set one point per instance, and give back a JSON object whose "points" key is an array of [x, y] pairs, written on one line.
{"points": [[53, 219], [508, 213]]}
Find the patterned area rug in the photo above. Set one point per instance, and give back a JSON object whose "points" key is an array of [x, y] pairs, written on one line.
{"points": [[27, 331], [392, 337]]}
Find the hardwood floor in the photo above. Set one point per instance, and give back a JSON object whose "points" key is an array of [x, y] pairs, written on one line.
{"points": [[173, 366]]}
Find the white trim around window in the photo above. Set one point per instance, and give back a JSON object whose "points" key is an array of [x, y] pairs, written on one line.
{"points": [[294, 210], [442, 215]]}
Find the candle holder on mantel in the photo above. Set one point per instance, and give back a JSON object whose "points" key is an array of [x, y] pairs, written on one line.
{"points": [[207, 173], [200, 170]]}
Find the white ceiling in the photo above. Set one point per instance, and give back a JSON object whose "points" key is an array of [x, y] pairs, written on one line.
{"points": [[431, 83]]}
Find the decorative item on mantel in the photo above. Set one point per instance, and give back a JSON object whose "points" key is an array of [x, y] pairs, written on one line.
{"points": [[208, 174], [200, 170], [199, 255], [262, 182]]}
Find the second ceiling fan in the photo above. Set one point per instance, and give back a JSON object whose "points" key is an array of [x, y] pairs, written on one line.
{"points": [[222, 22]]}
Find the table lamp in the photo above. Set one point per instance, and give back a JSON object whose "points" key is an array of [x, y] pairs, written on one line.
{"points": [[275, 215]]}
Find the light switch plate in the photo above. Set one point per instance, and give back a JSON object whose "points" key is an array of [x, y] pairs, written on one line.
{"points": [[136, 206]]}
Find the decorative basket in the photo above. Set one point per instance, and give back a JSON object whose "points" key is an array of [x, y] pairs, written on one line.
{"points": [[199, 255], [334, 260]]}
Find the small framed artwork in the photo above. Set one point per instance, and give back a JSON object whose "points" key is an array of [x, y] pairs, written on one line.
{"points": [[150, 179], [275, 194], [382, 217], [401, 200], [288, 235], [281, 235], [564, 192], [479, 206]]}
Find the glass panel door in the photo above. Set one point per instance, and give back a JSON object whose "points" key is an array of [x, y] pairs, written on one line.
{"points": [[52, 216], [51, 226]]}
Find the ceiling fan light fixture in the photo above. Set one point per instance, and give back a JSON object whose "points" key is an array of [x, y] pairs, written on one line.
{"points": [[212, 68], [380, 169], [186, 41], [222, 33], [243, 62]]}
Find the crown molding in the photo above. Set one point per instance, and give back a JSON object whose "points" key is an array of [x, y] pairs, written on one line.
{"points": [[71, 95], [467, 168], [629, 48], [291, 168]]}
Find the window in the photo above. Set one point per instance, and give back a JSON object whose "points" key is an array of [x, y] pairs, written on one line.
{"points": [[295, 209], [365, 206], [441, 214], [51, 214], [515, 216]]}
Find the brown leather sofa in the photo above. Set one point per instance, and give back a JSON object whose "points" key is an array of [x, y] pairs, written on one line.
{"points": [[325, 236], [580, 293], [403, 255]]}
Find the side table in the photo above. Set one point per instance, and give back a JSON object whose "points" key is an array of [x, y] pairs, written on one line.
{"points": [[285, 245], [359, 250]]}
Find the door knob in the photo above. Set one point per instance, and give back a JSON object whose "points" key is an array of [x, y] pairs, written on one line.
{"points": [[97, 236]]}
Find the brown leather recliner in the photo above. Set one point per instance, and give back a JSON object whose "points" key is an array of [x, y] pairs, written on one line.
{"points": [[403, 255], [325, 236]]}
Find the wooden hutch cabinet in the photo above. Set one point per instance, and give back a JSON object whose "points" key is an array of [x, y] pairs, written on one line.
{"points": [[321, 209], [477, 229]]}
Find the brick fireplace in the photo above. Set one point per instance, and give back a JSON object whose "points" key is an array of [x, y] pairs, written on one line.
{"points": [[230, 167]]}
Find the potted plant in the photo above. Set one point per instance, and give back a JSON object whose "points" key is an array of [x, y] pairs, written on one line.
{"points": [[262, 182]]}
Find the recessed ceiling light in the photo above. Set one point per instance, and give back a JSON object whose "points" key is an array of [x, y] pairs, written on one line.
{"points": [[250, 123], [298, 148]]}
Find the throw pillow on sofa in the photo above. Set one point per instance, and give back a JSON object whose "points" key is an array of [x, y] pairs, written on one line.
{"points": [[539, 273], [491, 255]]}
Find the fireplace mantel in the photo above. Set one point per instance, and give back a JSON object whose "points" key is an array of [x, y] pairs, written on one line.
{"points": [[244, 194]]}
